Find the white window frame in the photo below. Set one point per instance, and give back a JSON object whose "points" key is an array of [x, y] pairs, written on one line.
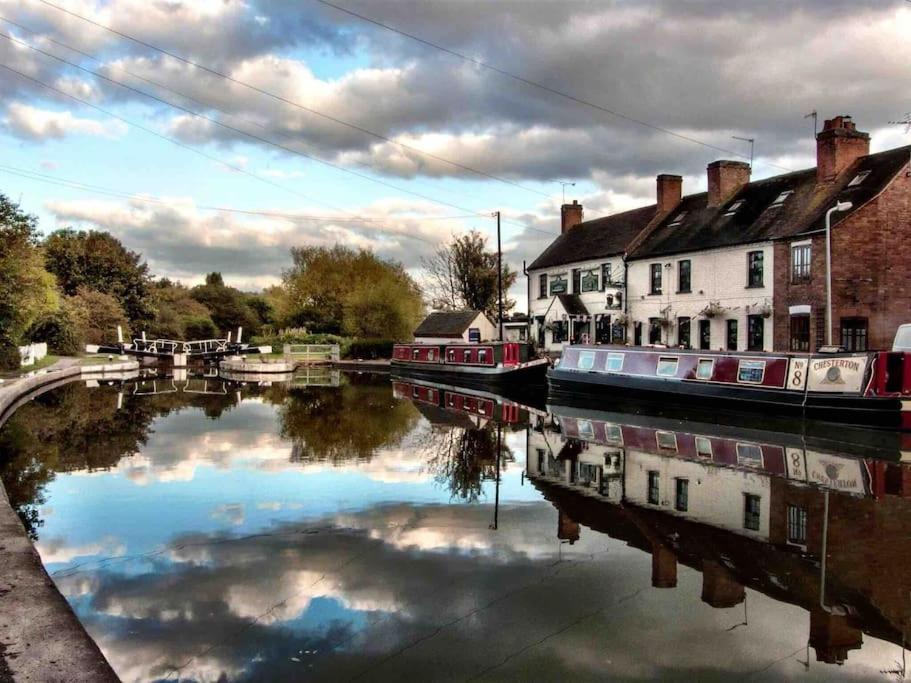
{"points": [[667, 359]]}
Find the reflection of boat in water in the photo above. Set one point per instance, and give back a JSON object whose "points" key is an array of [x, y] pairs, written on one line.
{"points": [[487, 365], [812, 527], [848, 389]]}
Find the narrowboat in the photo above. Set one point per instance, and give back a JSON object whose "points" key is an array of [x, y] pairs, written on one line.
{"points": [[436, 400], [853, 389], [498, 365]]}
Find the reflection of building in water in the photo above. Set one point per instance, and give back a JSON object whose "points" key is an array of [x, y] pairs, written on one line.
{"points": [[828, 532]]}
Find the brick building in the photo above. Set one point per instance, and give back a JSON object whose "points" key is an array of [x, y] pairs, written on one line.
{"points": [[741, 266]]}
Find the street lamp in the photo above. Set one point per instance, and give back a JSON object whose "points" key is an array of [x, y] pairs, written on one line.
{"points": [[840, 206]]}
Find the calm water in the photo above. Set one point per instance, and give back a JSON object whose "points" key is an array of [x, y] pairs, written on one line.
{"points": [[212, 531]]}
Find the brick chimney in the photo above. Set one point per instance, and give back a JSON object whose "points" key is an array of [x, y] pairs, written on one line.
{"points": [[725, 179], [670, 190], [567, 528], [832, 636], [664, 566], [571, 216], [719, 587], [837, 146]]}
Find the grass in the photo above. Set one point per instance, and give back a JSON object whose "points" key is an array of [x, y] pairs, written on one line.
{"points": [[45, 362], [98, 360]]}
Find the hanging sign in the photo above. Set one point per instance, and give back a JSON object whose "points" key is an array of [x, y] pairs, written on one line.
{"points": [[841, 374]]}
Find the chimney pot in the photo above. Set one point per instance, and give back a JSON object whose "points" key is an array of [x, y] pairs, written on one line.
{"points": [[725, 178], [670, 191], [570, 216], [838, 145]]}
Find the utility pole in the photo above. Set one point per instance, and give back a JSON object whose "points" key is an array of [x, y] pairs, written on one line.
{"points": [[499, 280]]}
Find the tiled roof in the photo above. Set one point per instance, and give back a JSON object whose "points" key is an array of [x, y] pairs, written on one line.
{"points": [[446, 323], [572, 304], [755, 220]]}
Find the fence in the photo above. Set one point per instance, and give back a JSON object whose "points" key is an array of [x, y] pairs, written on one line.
{"points": [[31, 354], [312, 353]]}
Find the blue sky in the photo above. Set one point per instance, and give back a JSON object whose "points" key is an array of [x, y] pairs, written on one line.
{"points": [[688, 70]]}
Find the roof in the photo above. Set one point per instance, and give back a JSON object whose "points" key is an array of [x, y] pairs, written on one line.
{"points": [[572, 304], [704, 227], [756, 220], [446, 323], [595, 239]]}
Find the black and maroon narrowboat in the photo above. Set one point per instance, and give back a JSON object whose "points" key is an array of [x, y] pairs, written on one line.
{"points": [[496, 365], [863, 389]]}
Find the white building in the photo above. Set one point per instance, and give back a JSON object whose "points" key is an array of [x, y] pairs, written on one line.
{"points": [[447, 327]]}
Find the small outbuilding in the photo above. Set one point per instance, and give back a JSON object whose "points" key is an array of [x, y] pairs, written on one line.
{"points": [[445, 327]]}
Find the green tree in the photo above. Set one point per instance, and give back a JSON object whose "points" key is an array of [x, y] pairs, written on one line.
{"points": [[27, 290], [463, 274], [341, 290], [228, 307], [97, 260], [96, 316], [177, 315]]}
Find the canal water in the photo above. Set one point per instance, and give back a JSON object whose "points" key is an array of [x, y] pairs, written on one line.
{"points": [[351, 527]]}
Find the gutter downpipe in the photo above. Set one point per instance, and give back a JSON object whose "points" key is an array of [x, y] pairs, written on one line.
{"points": [[626, 297]]}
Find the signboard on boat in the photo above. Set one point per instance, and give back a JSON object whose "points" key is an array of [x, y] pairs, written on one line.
{"points": [[841, 374], [833, 472]]}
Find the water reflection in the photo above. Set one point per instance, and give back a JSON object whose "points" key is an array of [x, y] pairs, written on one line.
{"points": [[354, 528]]}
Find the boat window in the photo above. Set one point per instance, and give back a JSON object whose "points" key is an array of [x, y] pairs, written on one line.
{"points": [[586, 360], [614, 362], [415, 392], [667, 441], [482, 355], [705, 368], [703, 447], [612, 433], [749, 455], [451, 399], [466, 356], [414, 353], [430, 354], [452, 355], [751, 371], [667, 366], [586, 430]]}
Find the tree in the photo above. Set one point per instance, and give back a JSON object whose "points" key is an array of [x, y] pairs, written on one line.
{"points": [[342, 290], [96, 315], [97, 260], [463, 274], [27, 290], [177, 315], [227, 306]]}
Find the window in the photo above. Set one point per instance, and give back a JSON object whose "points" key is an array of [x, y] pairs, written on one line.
{"points": [[683, 332], [678, 219], [558, 284], [667, 441], [655, 278], [466, 356], [613, 433], [682, 495], [705, 334], [703, 447], [755, 333], [542, 286], [797, 525], [732, 209], [732, 335], [653, 488], [780, 199], [430, 354], [577, 280], [414, 354], [586, 430], [614, 362], [751, 371], [754, 269], [854, 334], [590, 280], [452, 355], [606, 278], [560, 329], [800, 263], [751, 512], [684, 276], [586, 360], [667, 367], [749, 455], [800, 333], [858, 179], [654, 330], [482, 355], [704, 368]]}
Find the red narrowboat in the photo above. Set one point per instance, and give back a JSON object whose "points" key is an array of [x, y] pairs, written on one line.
{"points": [[863, 389], [487, 364]]}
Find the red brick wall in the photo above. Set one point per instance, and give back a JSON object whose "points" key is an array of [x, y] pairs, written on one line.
{"points": [[871, 272]]}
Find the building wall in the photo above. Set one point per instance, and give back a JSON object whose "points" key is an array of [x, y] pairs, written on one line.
{"points": [[871, 277], [716, 275], [595, 302], [488, 330]]}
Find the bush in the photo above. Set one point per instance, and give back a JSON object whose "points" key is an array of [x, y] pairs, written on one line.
{"points": [[59, 331], [369, 349], [198, 327], [10, 358], [277, 341]]}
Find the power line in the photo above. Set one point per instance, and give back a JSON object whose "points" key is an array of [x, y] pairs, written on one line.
{"points": [[529, 82], [292, 103]]}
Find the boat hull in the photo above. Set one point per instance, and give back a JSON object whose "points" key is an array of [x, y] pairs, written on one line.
{"points": [[614, 389], [529, 374]]}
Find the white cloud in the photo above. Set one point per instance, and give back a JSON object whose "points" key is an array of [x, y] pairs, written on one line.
{"points": [[36, 124]]}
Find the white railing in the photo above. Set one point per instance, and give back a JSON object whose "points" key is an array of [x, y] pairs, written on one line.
{"points": [[31, 354], [310, 353]]}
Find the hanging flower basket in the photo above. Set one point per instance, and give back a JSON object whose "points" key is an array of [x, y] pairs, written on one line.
{"points": [[712, 310], [622, 320], [765, 310]]}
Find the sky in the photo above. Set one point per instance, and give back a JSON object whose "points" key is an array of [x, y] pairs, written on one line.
{"points": [[227, 131]]}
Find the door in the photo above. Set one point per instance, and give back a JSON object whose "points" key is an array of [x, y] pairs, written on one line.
{"points": [[705, 334], [755, 333], [603, 330], [637, 334]]}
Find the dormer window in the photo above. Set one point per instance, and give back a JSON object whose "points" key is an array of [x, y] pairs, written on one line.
{"points": [[858, 179], [678, 219], [780, 199], [733, 208]]}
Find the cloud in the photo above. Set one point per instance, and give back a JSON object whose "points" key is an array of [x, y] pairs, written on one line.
{"points": [[31, 123]]}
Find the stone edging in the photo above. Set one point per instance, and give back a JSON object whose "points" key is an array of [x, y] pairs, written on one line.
{"points": [[256, 366], [43, 638]]}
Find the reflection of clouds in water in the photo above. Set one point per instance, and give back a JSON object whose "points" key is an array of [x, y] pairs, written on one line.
{"points": [[232, 513], [55, 550]]}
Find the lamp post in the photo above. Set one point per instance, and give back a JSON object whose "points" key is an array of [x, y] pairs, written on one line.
{"points": [[840, 206]]}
